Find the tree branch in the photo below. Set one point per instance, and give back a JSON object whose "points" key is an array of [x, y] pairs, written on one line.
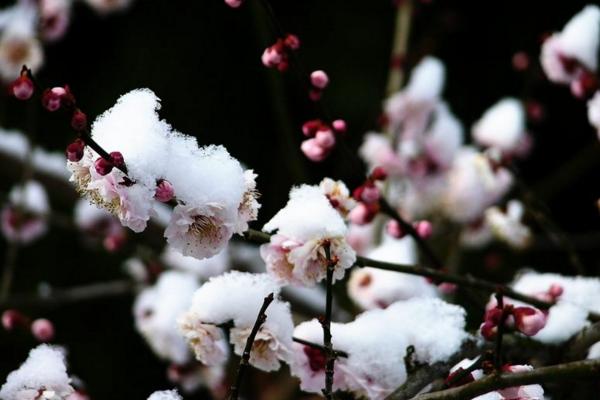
{"points": [[326, 323], [337, 353], [245, 361], [574, 370]]}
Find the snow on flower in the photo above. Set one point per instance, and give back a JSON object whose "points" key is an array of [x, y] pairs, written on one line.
{"points": [[374, 288], [593, 107], [215, 196], [570, 56], [24, 217], [508, 226], [372, 369], [44, 372], [338, 195], [308, 222], [577, 296], [165, 395], [156, 310], [502, 127], [245, 294], [202, 269]]}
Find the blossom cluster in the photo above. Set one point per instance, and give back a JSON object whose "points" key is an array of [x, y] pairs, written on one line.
{"points": [[215, 197]]}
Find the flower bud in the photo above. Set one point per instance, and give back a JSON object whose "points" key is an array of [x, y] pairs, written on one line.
{"points": [[114, 242], [424, 229], [394, 229], [528, 320], [164, 191], [42, 329], [555, 290], [339, 125], [117, 159], [292, 42], [325, 138], [378, 174], [102, 166], [315, 94], [52, 99], [370, 194], [12, 319], [79, 120], [362, 214], [75, 150], [233, 3], [319, 79], [22, 88], [313, 150], [310, 128]]}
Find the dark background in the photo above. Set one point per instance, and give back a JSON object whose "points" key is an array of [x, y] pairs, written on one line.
{"points": [[203, 60]]}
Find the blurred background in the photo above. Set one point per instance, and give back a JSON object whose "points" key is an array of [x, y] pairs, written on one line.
{"points": [[203, 60]]}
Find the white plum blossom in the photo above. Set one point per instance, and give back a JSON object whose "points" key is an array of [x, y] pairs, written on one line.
{"points": [[436, 330], [375, 288], [338, 195], [508, 226], [244, 297], [473, 186], [43, 372], [55, 16], [24, 217], [156, 311], [567, 54], [502, 127], [296, 252], [165, 395], [18, 42]]}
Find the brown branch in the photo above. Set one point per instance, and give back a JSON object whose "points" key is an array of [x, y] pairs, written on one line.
{"points": [[569, 371], [580, 344], [71, 295], [337, 353], [326, 323], [245, 361]]}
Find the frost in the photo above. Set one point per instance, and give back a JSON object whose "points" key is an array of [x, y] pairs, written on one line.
{"points": [[502, 126]]}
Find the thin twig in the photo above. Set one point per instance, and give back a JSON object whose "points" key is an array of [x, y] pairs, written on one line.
{"points": [[10, 260], [245, 361], [569, 371], [500, 332], [337, 353], [326, 323]]}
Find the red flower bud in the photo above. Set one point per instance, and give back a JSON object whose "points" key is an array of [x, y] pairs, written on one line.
{"points": [[75, 150], [22, 88], [103, 167], [79, 120], [43, 330], [292, 41], [378, 174], [12, 319], [117, 159], [164, 191]]}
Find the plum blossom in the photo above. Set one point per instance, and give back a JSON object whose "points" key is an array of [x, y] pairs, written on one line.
{"points": [[245, 293], [24, 217], [374, 288], [570, 56], [508, 226], [18, 42], [296, 253], [594, 112], [156, 310], [43, 372], [55, 16], [502, 127], [338, 194]]}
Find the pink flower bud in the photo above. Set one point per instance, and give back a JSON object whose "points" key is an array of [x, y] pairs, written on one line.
{"points": [[488, 330], [310, 128], [361, 214], [102, 166], [394, 229], [12, 319], [79, 120], [75, 150], [117, 159], [339, 125], [378, 174], [555, 290], [520, 61], [42, 329], [313, 150], [319, 79], [325, 138], [528, 320], [370, 194], [447, 288], [271, 57], [424, 229], [292, 42], [52, 98], [164, 191], [22, 88], [233, 3]]}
